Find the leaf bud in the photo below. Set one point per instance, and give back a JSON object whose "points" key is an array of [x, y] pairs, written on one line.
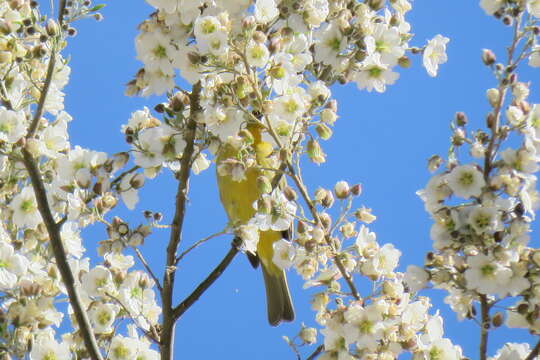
{"points": [[488, 57], [522, 308], [497, 319], [289, 193], [342, 190], [324, 131], [493, 96], [263, 185]]}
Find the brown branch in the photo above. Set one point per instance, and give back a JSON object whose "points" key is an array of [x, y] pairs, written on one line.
{"points": [[318, 351], [206, 283], [197, 244], [167, 333], [60, 256], [484, 326], [534, 352]]}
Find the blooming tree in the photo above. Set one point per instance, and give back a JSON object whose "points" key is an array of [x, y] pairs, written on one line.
{"points": [[270, 63]]}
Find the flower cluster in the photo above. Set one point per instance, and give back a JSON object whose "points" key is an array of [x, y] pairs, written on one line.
{"points": [[483, 206]]}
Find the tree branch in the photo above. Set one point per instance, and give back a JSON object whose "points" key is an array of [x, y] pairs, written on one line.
{"points": [[534, 352], [484, 308], [169, 319], [60, 256], [206, 283]]}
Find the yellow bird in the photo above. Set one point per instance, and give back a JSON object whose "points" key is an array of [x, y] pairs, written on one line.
{"points": [[237, 198]]}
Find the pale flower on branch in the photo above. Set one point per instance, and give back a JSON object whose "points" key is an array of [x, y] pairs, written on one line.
{"points": [[466, 181], [25, 209], [265, 11], [491, 6], [372, 74], [12, 125], [487, 276], [284, 254], [511, 351], [435, 54], [12, 266]]}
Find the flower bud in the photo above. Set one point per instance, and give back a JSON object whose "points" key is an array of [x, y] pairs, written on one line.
{"points": [[497, 319], [328, 116], [493, 96], [364, 214], [259, 37], [376, 5], [248, 22], [342, 190], [434, 162], [52, 28], [264, 206], [461, 118], [263, 185], [315, 152], [326, 220], [137, 181], [404, 62], [308, 335], [323, 131], [488, 57], [356, 189], [328, 200], [136, 239], [317, 234], [289, 193], [319, 195]]}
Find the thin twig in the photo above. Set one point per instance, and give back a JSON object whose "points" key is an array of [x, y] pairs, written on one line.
{"points": [[169, 319], [196, 244], [534, 352], [60, 256], [318, 351], [206, 283], [147, 267]]}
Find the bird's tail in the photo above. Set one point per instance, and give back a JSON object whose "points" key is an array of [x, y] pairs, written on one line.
{"points": [[278, 298]]}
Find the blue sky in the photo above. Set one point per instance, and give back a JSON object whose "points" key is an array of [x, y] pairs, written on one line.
{"points": [[380, 140]]}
